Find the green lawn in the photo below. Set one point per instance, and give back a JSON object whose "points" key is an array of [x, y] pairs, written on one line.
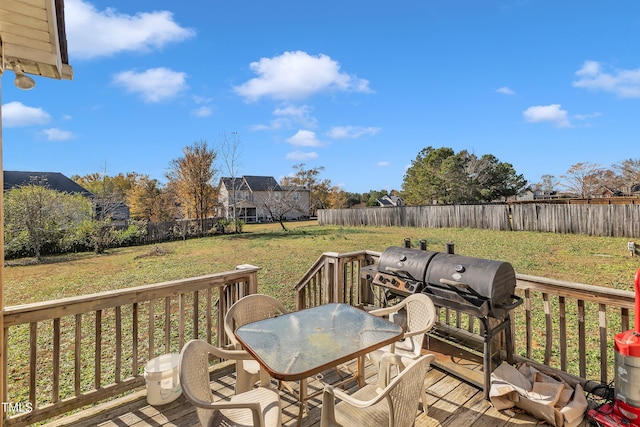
{"points": [[285, 256]]}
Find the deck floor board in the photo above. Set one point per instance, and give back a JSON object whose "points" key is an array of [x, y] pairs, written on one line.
{"points": [[451, 402]]}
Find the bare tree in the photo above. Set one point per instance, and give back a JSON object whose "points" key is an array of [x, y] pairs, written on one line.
{"points": [[548, 184], [192, 176], [629, 171], [582, 179], [280, 202], [231, 149], [309, 178]]}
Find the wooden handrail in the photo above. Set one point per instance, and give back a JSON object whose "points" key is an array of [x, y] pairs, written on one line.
{"points": [[85, 349]]}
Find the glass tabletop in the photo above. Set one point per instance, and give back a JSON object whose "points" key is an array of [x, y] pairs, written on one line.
{"points": [[299, 344]]}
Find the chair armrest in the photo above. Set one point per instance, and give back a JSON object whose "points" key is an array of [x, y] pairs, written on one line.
{"points": [[385, 311], [330, 394], [230, 354]]}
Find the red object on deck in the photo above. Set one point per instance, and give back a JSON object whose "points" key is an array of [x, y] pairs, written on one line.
{"points": [[636, 282], [625, 409]]}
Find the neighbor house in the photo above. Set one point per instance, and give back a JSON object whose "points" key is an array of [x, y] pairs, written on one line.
{"points": [[390, 201], [119, 212], [248, 198]]}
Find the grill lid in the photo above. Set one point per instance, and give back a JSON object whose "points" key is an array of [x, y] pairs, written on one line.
{"points": [[407, 263]]}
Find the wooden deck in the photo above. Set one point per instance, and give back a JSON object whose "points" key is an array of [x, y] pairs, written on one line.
{"points": [[452, 402]]}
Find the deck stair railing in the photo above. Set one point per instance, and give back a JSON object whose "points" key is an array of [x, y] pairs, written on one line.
{"points": [[567, 328], [66, 354]]}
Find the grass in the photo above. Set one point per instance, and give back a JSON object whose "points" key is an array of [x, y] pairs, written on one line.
{"points": [[285, 256]]}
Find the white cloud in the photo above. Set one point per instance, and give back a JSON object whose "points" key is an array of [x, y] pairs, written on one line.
{"points": [[298, 75], [54, 134], [301, 156], [351, 132], [547, 113], [505, 91], [16, 114], [623, 83], [202, 111], [289, 115], [383, 164], [586, 116], [300, 115], [304, 138], [95, 33], [154, 84]]}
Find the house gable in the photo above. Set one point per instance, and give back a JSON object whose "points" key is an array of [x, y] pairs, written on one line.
{"points": [[52, 180]]}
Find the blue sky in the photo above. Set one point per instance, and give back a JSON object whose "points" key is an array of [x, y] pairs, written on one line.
{"points": [[356, 87]]}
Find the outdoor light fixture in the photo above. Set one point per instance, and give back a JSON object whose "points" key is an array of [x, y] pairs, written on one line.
{"points": [[22, 81]]}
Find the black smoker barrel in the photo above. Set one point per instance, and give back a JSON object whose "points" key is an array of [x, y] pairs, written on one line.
{"points": [[480, 287]]}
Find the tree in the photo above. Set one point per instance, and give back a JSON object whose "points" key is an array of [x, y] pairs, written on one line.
{"points": [[548, 184], [192, 176], [280, 201], [442, 176], [582, 179], [231, 149], [39, 217], [149, 200], [337, 198], [629, 171], [309, 178], [110, 191]]}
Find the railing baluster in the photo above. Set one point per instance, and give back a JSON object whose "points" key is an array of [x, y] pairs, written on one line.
{"points": [[548, 329], [134, 339], [152, 328], [98, 352], [167, 325], [209, 313], [527, 319], [582, 339], [33, 355], [55, 386], [118, 370], [181, 310], [624, 319], [5, 351], [602, 320], [196, 314], [77, 355], [563, 332]]}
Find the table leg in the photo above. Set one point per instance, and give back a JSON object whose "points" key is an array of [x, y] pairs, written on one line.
{"points": [[302, 396], [360, 373]]}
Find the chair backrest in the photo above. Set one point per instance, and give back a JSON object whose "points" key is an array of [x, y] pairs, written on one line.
{"points": [[194, 376], [421, 316], [404, 392], [250, 309]]}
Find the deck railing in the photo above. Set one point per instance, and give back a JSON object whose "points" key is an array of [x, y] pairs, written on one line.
{"points": [[69, 353], [567, 327]]}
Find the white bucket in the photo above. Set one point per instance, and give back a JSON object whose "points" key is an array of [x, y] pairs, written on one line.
{"points": [[162, 378]]}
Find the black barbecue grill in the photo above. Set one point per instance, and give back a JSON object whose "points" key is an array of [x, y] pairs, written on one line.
{"points": [[480, 287]]}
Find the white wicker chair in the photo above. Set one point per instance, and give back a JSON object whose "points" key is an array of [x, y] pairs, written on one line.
{"points": [[257, 407], [421, 316], [250, 308], [393, 405]]}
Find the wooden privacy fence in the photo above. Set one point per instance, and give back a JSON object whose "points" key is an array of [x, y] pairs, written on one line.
{"points": [[65, 354], [612, 220], [566, 327]]}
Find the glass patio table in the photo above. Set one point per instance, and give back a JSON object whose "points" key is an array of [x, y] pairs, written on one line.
{"points": [[301, 344]]}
